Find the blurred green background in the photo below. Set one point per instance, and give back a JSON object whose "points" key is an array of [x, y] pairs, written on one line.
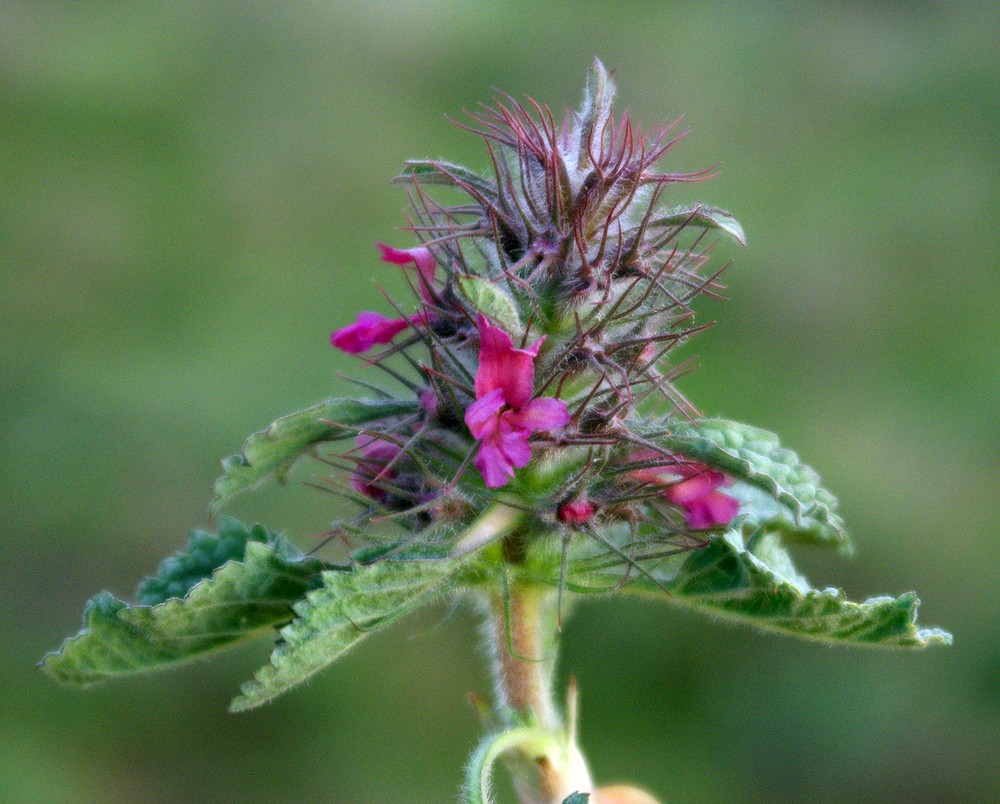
{"points": [[189, 197]]}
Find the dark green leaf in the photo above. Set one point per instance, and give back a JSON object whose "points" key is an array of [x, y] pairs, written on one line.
{"points": [[332, 619], [805, 511], [190, 607], [445, 173], [576, 798], [274, 450]]}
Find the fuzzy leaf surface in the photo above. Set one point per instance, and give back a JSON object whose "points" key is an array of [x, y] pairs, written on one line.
{"points": [[760, 587], [224, 589], [598, 95], [491, 300], [794, 502], [704, 217], [332, 619], [274, 449]]}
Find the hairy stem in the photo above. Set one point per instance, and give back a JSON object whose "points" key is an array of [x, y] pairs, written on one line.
{"points": [[522, 628]]}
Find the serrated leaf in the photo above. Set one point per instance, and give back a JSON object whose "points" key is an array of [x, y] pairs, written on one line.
{"points": [[728, 580], [490, 300], [447, 174], [702, 216], [274, 449], [204, 554], [805, 512], [334, 618], [253, 588]]}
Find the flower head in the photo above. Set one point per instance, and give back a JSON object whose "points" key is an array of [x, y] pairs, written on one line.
{"points": [[504, 415]]}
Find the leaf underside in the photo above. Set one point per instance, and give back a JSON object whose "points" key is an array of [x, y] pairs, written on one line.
{"points": [[273, 450], [222, 590]]}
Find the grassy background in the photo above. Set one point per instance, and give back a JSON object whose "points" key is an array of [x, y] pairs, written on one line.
{"points": [[189, 197]]}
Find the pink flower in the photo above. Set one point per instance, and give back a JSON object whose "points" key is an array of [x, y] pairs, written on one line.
{"points": [[504, 415], [692, 487], [421, 257], [372, 328], [376, 453], [367, 330], [575, 512]]}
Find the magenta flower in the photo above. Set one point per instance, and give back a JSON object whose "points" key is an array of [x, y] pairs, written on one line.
{"points": [[692, 487], [421, 257], [371, 467], [504, 415], [367, 330], [374, 328]]}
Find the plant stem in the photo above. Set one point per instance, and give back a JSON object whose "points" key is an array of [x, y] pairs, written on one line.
{"points": [[523, 633]]}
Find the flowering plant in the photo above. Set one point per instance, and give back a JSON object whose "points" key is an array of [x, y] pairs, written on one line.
{"points": [[539, 452]]}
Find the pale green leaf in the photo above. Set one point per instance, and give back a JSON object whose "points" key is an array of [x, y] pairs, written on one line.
{"points": [[598, 95], [224, 589], [795, 502], [275, 449], [491, 300], [702, 216], [332, 619]]}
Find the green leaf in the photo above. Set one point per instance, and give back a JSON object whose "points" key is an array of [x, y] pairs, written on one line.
{"points": [[490, 300], [445, 173], [760, 587], [805, 511], [598, 95], [275, 449], [224, 589], [332, 619], [705, 217], [576, 798]]}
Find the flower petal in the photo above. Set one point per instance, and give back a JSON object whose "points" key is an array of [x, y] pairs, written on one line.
{"points": [[544, 413], [368, 329], [502, 366], [711, 510], [482, 416], [493, 465], [695, 487], [421, 257], [514, 444]]}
